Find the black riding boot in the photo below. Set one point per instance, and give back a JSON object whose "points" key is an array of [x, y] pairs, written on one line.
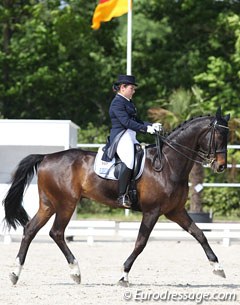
{"points": [[123, 181]]}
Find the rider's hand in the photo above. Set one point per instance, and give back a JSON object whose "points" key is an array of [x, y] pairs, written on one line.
{"points": [[157, 126], [151, 129]]}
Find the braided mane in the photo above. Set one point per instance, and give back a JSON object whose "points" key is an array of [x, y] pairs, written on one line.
{"points": [[184, 124], [181, 126]]}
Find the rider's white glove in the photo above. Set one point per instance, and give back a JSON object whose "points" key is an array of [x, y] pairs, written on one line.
{"points": [[157, 126], [151, 129]]}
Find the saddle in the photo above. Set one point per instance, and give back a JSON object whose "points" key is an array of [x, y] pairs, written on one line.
{"points": [[110, 170]]}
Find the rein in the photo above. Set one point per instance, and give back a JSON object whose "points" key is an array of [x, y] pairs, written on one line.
{"points": [[207, 157], [158, 155]]}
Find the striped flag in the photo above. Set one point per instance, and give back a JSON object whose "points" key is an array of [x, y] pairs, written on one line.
{"points": [[108, 9]]}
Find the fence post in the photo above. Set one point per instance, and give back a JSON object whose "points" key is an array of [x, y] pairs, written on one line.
{"points": [[90, 238], [226, 238]]}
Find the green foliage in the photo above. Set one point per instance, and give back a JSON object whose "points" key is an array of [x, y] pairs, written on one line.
{"points": [[222, 201], [54, 66], [93, 134], [181, 105], [199, 41], [54, 63], [220, 81], [91, 207]]}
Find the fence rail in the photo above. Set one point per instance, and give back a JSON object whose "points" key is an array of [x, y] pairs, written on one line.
{"points": [[90, 231]]}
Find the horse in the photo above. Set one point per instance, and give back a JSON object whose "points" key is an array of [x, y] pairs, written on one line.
{"points": [[67, 176]]}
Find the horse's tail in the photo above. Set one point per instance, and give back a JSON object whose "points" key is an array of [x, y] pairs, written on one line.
{"points": [[15, 214]]}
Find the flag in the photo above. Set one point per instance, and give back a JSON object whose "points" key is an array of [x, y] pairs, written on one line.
{"points": [[107, 9]]}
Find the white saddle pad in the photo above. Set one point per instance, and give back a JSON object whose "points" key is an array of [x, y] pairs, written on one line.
{"points": [[106, 169]]}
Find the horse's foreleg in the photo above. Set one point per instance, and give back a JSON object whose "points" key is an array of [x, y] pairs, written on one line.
{"points": [[148, 221], [183, 219], [30, 231], [57, 234]]}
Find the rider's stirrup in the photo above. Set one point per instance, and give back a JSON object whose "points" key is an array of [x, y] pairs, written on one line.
{"points": [[124, 201]]}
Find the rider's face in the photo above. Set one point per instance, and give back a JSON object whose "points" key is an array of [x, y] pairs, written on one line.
{"points": [[127, 90]]}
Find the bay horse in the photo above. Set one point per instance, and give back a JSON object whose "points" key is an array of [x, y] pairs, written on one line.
{"points": [[67, 176]]}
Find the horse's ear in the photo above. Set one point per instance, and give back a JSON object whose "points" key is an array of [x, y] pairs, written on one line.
{"points": [[227, 117], [219, 113]]}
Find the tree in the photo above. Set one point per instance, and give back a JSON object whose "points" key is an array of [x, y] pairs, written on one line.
{"points": [[55, 66], [183, 38], [55, 62], [220, 81]]}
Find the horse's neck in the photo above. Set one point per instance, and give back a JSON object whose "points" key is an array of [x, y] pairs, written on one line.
{"points": [[185, 141]]}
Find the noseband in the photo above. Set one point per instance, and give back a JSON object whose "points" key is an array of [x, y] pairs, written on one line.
{"points": [[207, 157]]}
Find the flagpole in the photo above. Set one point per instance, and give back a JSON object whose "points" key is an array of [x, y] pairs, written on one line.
{"points": [[129, 38]]}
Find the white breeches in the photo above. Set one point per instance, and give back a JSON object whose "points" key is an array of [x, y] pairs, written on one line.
{"points": [[125, 148]]}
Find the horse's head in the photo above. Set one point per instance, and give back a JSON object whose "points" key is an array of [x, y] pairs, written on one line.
{"points": [[216, 145]]}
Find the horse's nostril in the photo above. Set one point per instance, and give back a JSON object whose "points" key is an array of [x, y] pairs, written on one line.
{"points": [[221, 168]]}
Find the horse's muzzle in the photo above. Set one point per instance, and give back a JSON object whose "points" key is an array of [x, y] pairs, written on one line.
{"points": [[219, 164]]}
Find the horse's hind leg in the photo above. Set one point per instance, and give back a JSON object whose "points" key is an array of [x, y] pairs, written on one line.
{"points": [[57, 234], [30, 231], [183, 219]]}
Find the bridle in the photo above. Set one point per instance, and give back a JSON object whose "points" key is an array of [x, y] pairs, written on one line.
{"points": [[207, 157], [210, 156]]}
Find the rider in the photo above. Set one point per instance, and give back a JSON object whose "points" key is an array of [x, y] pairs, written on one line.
{"points": [[123, 132]]}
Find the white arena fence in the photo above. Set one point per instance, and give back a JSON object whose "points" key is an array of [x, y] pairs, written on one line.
{"points": [[92, 231]]}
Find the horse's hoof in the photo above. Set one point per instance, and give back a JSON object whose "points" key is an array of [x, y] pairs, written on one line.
{"points": [[123, 283], [219, 273], [218, 270], [76, 278], [14, 278]]}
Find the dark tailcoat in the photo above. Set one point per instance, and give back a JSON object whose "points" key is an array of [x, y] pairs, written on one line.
{"points": [[123, 115]]}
